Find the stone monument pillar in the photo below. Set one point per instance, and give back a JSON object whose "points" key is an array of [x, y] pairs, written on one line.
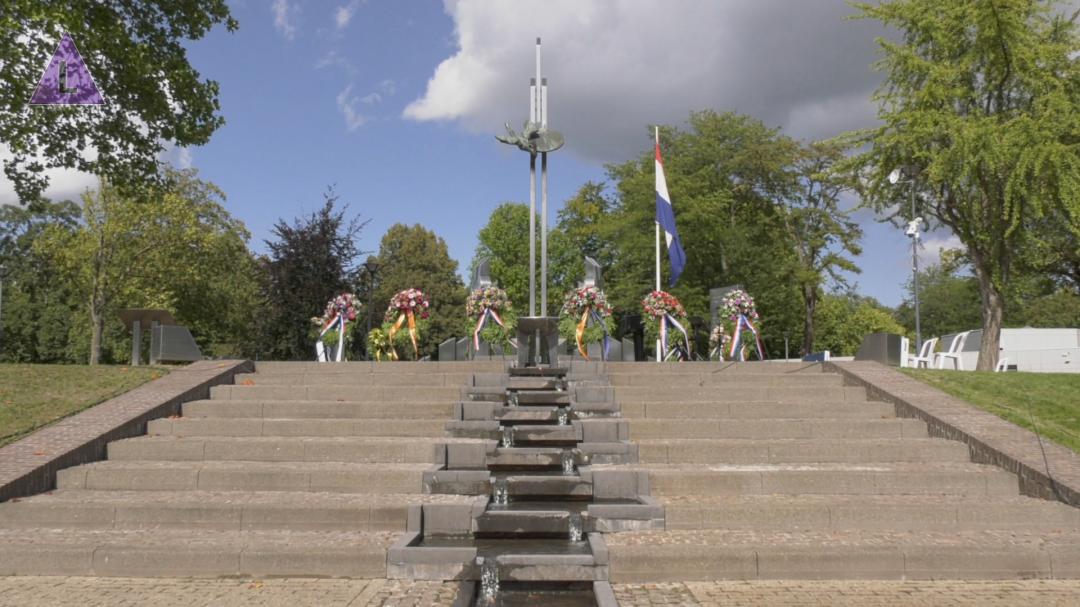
{"points": [[538, 334]]}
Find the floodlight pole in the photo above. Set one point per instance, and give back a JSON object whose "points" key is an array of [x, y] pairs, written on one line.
{"points": [[915, 264], [1, 309]]}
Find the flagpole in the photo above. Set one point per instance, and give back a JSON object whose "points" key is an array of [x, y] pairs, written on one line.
{"points": [[659, 355]]}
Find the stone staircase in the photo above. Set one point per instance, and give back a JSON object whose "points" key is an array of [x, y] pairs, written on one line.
{"points": [[299, 469], [777, 470], [764, 470]]}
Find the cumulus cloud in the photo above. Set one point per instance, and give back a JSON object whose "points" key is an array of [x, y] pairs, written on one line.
{"points": [[347, 105], [179, 157], [933, 244], [616, 66], [344, 14], [64, 184], [284, 15]]}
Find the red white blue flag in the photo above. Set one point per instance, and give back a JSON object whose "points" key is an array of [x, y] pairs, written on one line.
{"points": [[665, 216]]}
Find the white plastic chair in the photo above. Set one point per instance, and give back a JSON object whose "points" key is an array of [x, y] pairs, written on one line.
{"points": [[905, 353], [954, 352], [926, 354], [1002, 365]]}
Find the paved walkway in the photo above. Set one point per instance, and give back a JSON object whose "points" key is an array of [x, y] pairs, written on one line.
{"points": [[139, 592], [1029, 593]]}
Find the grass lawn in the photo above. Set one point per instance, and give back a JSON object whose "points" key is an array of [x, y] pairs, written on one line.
{"points": [[33, 396], [1054, 398]]}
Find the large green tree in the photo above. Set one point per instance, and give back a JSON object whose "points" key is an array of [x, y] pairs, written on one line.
{"points": [[38, 306], [729, 177], [843, 319], [504, 241], [180, 251], [415, 257], [981, 100], [136, 55], [822, 233], [310, 261]]}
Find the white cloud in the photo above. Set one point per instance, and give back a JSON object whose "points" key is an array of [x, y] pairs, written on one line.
{"points": [[386, 87], [346, 102], [344, 14], [64, 184], [179, 157], [933, 244], [284, 15], [371, 99], [616, 66]]}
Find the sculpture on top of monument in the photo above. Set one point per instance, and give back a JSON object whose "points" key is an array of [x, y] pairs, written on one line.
{"points": [[534, 138]]}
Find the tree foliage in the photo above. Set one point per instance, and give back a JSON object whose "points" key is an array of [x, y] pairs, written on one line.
{"points": [[310, 261], [415, 257], [38, 306], [821, 232], [844, 319], [504, 241], [982, 99], [180, 251], [748, 202], [135, 52]]}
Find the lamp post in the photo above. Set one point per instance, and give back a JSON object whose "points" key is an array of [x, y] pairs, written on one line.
{"points": [[372, 268], [1, 308], [908, 174]]}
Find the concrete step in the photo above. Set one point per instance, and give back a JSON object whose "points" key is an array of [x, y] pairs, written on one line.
{"points": [[666, 393], [543, 457], [839, 479], [315, 378], [543, 397], [758, 410], [221, 510], [786, 451], [501, 381], [641, 429], [369, 450], [662, 556], [318, 409], [332, 392], [888, 512], [253, 426], [652, 368], [725, 380], [244, 476], [193, 553], [374, 367]]}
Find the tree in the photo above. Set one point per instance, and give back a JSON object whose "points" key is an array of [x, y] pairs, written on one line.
{"points": [[948, 300], [820, 231], [311, 261], [843, 320], [38, 307], [982, 100], [415, 257], [136, 55], [728, 175], [504, 240], [169, 251]]}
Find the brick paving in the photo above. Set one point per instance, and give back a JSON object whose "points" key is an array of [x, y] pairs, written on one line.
{"points": [[1030, 593], [29, 465], [283, 592], [137, 592]]}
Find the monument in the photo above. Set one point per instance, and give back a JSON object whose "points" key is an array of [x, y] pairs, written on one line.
{"points": [[538, 335]]}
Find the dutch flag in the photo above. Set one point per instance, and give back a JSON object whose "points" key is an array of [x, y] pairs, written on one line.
{"points": [[665, 216]]}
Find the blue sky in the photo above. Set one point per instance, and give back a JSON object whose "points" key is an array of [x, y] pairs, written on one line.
{"points": [[396, 103]]}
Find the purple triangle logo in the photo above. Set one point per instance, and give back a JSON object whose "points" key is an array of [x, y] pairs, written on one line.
{"points": [[66, 80]]}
